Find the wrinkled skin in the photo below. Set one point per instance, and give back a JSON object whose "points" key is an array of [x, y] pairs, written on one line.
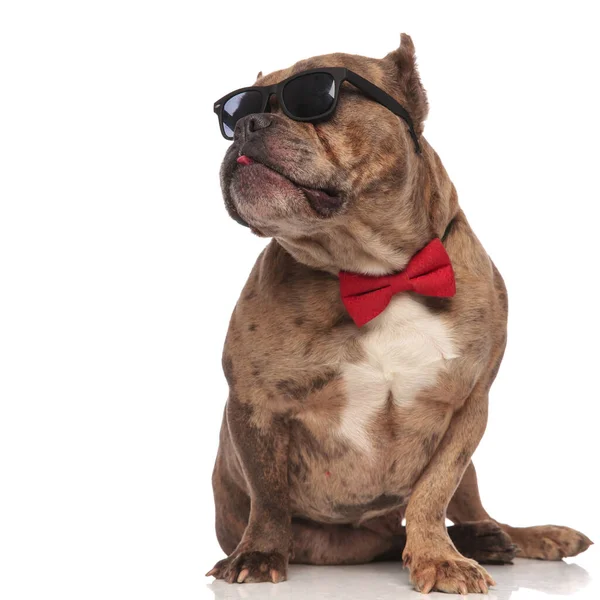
{"points": [[315, 466]]}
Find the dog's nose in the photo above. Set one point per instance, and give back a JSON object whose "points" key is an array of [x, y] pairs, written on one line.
{"points": [[250, 124], [257, 122]]}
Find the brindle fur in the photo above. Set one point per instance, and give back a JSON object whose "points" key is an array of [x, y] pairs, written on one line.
{"points": [[286, 486]]}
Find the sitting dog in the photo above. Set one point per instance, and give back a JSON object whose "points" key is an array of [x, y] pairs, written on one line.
{"points": [[361, 352]]}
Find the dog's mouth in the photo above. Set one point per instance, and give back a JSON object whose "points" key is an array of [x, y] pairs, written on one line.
{"points": [[325, 202]]}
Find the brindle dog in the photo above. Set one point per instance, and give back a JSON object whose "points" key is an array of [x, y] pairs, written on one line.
{"points": [[332, 435]]}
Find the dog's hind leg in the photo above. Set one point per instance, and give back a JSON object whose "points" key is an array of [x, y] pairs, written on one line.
{"points": [[546, 542], [326, 544]]}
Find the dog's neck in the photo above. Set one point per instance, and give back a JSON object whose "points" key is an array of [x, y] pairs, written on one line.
{"points": [[367, 243]]}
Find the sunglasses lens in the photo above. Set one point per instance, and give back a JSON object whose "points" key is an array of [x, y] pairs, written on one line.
{"points": [[309, 96], [238, 106]]}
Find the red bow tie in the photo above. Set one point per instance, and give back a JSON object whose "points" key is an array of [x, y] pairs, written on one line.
{"points": [[428, 273]]}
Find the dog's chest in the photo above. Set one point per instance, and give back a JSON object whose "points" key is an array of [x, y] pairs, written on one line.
{"points": [[403, 351]]}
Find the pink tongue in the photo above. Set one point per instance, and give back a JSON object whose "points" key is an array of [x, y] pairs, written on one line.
{"points": [[244, 160]]}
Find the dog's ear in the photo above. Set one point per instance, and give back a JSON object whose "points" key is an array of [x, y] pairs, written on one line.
{"points": [[407, 75]]}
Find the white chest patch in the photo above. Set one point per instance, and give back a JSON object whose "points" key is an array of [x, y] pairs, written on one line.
{"points": [[405, 348]]}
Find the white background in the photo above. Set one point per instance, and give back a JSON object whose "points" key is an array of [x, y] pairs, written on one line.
{"points": [[119, 267]]}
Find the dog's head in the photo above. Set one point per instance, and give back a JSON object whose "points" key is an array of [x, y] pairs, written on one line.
{"points": [[344, 193]]}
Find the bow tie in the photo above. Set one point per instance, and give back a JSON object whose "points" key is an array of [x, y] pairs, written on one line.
{"points": [[428, 273]]}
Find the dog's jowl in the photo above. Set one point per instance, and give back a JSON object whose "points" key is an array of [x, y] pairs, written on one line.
{"points": [[362, 349]]}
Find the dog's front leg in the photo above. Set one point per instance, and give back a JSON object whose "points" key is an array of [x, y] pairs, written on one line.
{"points": [[433, 560], [260, 440]]}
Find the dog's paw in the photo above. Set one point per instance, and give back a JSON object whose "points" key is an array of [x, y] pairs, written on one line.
{"points": [[548, 542], [251, 567], [483, 541], [454, 574]]}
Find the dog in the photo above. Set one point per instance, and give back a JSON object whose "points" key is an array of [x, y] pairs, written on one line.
{"points": [[360, 354]]}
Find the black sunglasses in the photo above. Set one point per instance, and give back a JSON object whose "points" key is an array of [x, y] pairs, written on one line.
{"points": [[310, 96]]}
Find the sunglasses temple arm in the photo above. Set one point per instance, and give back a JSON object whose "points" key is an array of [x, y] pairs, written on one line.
{"points": [[386, 100]]}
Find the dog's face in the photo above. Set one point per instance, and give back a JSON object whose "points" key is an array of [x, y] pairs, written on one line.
{"points": [[346, 177]]}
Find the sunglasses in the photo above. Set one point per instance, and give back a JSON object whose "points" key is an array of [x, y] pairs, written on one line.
{"points": [[311, 97]]}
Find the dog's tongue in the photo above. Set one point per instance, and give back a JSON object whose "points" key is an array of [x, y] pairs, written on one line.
{"points": [[244, 160]]}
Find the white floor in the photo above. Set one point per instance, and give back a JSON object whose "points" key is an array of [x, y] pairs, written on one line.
{"points": [[525, 580]]}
